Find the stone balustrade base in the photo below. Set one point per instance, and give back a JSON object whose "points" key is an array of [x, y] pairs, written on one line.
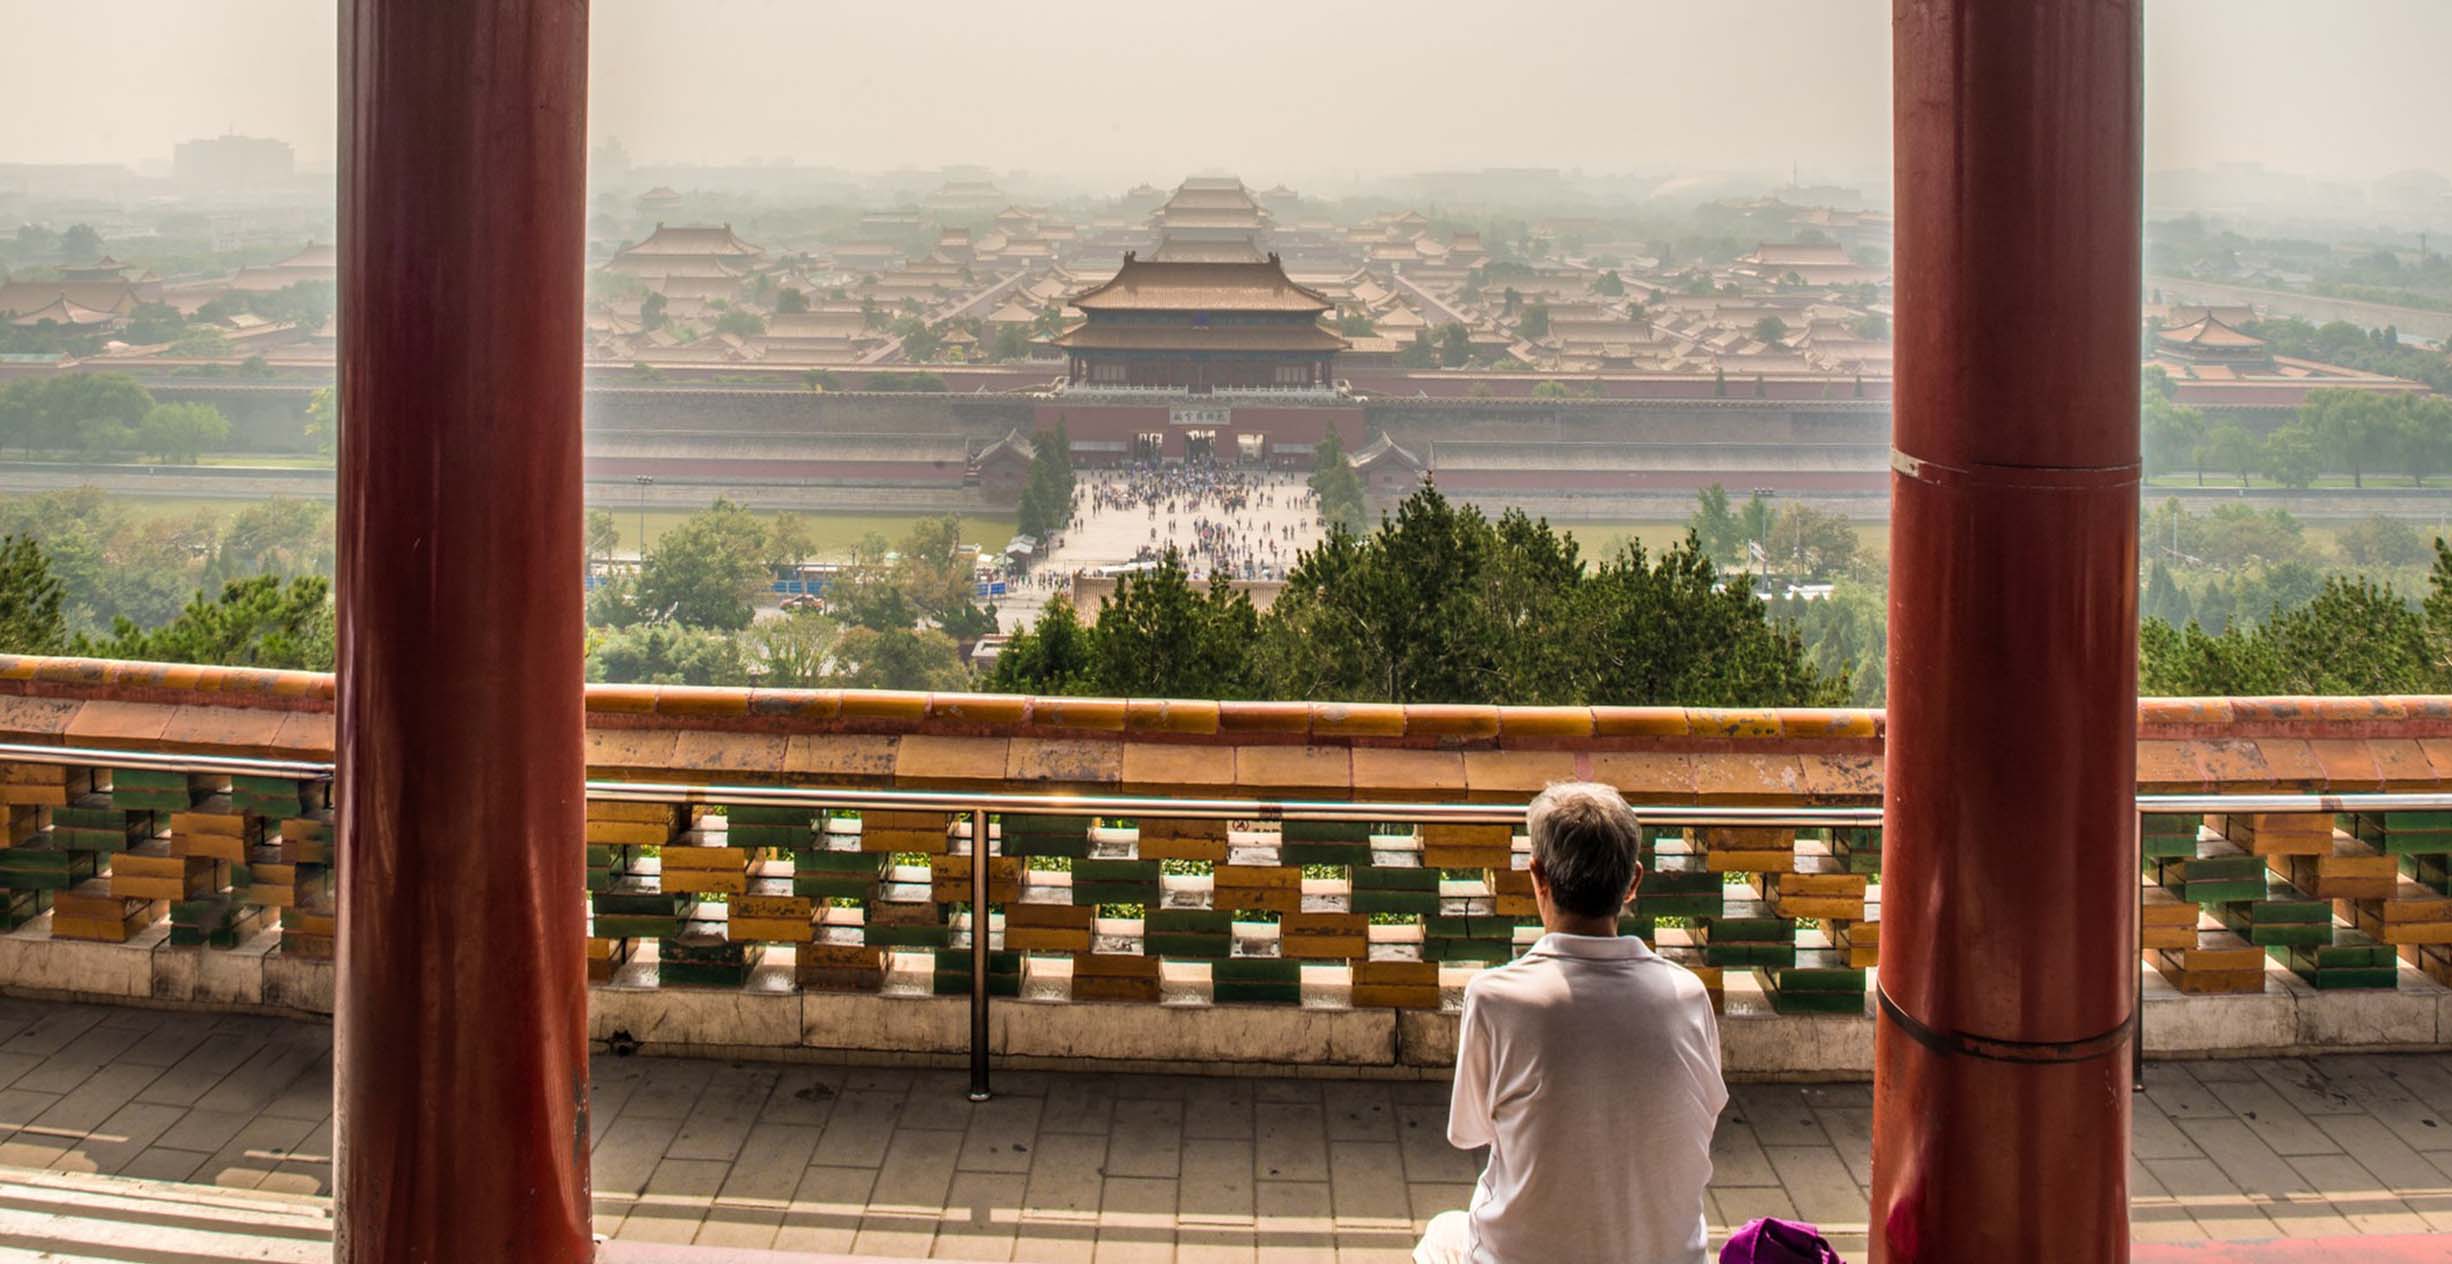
{"points": [[772, 1019]]}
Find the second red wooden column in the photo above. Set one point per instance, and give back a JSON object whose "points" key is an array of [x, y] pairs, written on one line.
{"points": [[2009, 892], [461, 1033]]}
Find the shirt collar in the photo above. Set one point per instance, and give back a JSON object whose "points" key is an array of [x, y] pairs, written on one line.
{"points": [[1592, 947]]}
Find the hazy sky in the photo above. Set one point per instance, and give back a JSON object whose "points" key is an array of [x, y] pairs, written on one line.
{"points": [[1273, 89]]}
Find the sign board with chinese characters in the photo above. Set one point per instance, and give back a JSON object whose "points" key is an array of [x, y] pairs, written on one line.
{"points": [[1199, 415]]}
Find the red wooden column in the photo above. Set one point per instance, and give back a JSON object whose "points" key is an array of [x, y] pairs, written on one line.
{"points": [[2009, 892], [461, 1051]]}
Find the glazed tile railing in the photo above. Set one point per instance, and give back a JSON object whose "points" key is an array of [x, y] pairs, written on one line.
{"points": [[1203, 854]]}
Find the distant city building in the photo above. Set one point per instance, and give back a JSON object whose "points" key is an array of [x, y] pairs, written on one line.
{"points": [[233, 162]]}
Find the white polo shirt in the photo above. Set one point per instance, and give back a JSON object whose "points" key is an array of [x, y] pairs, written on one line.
{"points": [[1591, 1068]]}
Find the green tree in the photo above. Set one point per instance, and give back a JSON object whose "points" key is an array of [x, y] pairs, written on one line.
{"points": [[1810, 541], [651, 312], [2356, 637], [1047, 487], [1440, 604], [1714, 525], [104, 438], [259, 622], [273, 537], [1535, 322], [935, 577], [64, 412], [1355, 324], [2423, 436], [1159, 637], [152, 324], [1755, 520], [921, 341], [2174, 436], [709, 571], [668, 654], [1609, 283], [2232, 449], [323, 420], [1342, 500], [1845, 636], [2357, 427], [1770, 329], [603, 537], [31, 621], [2164, 599], [2383, 542], [1052, 656], [1668, 630], [793, 652], [866, 592], [201, 342], [1418, 354], [740, 324], [81, 244], [1455, 345], [902, 658], [791, 301], [181, 433], [2294, 456]]}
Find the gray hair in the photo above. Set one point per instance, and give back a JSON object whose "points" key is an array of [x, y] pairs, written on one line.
{"points": [[1585, 839]]}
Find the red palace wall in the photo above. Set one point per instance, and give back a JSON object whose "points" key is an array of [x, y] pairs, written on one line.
{"points": [[1124, 423], [1536, 482], [848, 473]]}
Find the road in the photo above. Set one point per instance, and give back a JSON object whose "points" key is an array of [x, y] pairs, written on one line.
{"points": [[2412, 321]]}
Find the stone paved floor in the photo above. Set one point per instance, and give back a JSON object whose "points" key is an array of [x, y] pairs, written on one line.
{"points": [[1104, 1167]]}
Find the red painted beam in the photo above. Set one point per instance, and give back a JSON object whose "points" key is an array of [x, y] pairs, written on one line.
{"points": [[460, 1037], [2009, 888]]}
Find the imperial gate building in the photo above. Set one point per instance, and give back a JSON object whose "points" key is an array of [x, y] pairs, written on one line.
{"points": [[1200, 327]]}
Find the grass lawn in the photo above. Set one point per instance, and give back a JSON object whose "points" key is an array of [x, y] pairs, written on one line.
{"points": [[834, 533]]}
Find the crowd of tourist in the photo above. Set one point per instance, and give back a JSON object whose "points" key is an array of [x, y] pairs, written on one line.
{"points": [[1217, 517]]}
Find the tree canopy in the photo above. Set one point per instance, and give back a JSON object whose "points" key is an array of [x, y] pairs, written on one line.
{"points": [[1342, 501], [1439, 604]]}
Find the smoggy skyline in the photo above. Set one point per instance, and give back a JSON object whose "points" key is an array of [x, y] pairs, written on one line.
{"points": [[1101, 91]]}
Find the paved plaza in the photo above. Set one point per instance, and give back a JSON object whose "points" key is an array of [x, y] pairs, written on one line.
{"points": [[1105, 1167], [1110, 534]]}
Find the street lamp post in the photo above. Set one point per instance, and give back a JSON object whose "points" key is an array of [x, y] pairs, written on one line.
{"points": [[644, 481]]}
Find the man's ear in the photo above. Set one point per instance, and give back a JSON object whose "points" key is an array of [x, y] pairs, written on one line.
{"points": [[1540, 875], [1634, 884]]}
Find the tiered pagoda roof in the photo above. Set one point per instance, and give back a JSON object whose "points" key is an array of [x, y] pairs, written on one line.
{"points": [[1153, 286]]}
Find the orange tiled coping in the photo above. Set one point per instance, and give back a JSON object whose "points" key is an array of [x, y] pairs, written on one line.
{"points": [[1156, 745]]}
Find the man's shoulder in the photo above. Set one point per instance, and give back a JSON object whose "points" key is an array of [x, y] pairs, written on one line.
{"points": [[1535, 974]]}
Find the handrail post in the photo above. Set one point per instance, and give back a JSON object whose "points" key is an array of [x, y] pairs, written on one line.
{"points": [[2136, 1040], [979, 954]]}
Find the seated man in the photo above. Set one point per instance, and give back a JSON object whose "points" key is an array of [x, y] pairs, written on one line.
{"points": [[1590, 1066]]}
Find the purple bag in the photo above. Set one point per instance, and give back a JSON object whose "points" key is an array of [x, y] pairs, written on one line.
{"points": [[1768, 1241]]}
